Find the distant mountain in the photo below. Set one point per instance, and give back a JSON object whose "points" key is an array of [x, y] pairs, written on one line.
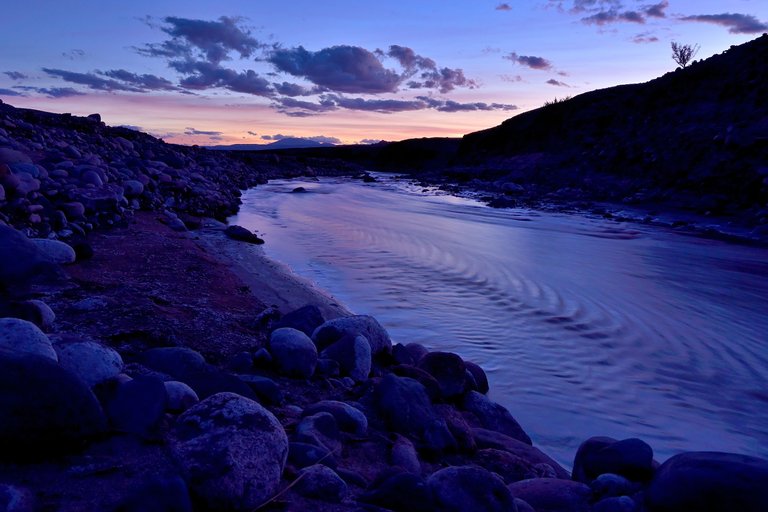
{"points": [[286, 143]]}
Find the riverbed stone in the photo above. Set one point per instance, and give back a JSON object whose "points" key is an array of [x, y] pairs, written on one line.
{"points": [[478, 374], [353, 353], [231, 450], [242, 234], [333, 330], [294, 352], [91, 361], [55, 251], [491, 439], [301, 455], [553, 494], [631, 458], [404, 455], [267, 390], [305, 319], [138, 406], [321, 430], [178, 362], [321, 482], [709, 482], [348, 418], [20, 258], [403, 404], [463, 488], [44, 410], [494, 416], [19, 336], [179, 395], [449, 371]]}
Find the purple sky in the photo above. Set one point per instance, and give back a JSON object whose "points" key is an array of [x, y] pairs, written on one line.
{"points": [[342, 71]]}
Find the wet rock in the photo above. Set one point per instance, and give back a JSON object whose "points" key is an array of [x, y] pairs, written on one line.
{"points": [[320, 430], [45, 409], [553, 494], [92, 362], [321, 482], [403, 404], [241, 234], [178, 362], [609, 485], [425, 379], [348, 418], [462, 488], [305, 319], [709, 482], [180, 396], [510, 467], [20, 337], [231, 450], [496, 440], [294, 353], [493, 416], [159, 494], [54, 251], [478, 374], [448, 370], [631, 458], [353, 353], [401, 492], [333, 330], [138, 406]]}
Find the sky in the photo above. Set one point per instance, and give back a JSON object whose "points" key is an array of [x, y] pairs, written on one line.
{"points": [[257, 71]]}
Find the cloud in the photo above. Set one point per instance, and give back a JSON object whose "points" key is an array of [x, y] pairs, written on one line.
{"points": [[10, 92], [339, 68], [192, 131], [15, 75], [132, 127], [73, 54], [252, 133], [736, 23], [503, 7], [529, 61], [370, 141], [91, 81], [613, 16], [384, 106], [603, 12], [213, 40], [455, 106], [299, 108], [323, 139], [206, 75], [293, 90], [657, 10], [645, 37], [59, 92], [557, 83], [145, 82]]}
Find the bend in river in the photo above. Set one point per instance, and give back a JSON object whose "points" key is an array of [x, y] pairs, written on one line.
{"points": [[585, 326]]}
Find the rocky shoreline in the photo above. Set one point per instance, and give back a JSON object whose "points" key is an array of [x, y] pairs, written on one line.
{"points": [[148, 361]]}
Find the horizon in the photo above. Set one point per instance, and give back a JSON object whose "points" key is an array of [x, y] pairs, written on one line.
{"points": [[343, 74]]}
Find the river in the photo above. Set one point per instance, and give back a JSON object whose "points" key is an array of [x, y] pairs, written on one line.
{"points": [[585, 326]]}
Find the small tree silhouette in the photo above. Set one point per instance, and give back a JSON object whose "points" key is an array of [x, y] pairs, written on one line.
{"points": [[683, 53]]}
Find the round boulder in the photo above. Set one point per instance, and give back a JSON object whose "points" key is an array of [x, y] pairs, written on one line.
{"points": [[44, 409], [232, 452], [55, 251], [462, 488], [494, 416], [553, 494], [293, 351], [347, 417], [333, 330], [19, 336], [353, 353], [709, 482], [449, 371], [319, 481], [91, 361], [631, 458]]}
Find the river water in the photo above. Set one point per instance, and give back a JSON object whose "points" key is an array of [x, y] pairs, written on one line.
{"points": [[585, 326]]}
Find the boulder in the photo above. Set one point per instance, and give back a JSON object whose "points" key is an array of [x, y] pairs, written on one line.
{"points": [[42, 312], [54, 251], [616, 504], [553, 494], [320, 430], [511, 467], [179, 396], [493, 416], [402, 492], [158, 494], [353, 353], [138, 407], [333, 330], [463, 488], [211, 381], [403, 404], [231, 450], [16, 499], [496, 440], [241, 234], [92, 362], [709, 482], [348, 418], [305, 319], [265, 388], [20, 258], [301, 455], [20, 337], [478, 374], [449, 371], [609, 485], [631, 458], [321, 482], [404, 455], [178, 362], [133, 188], [44, 409], [11, 156], [294, 353]]}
